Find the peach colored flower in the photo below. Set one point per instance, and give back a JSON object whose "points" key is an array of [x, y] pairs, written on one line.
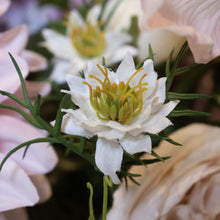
{"points": [[187, 186], [197, 20]]}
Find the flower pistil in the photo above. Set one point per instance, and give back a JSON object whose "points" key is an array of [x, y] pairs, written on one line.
{"points": [[89, 41], [117, 102]]}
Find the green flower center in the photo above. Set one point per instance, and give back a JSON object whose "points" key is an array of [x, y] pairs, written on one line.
{"points": [[89, 41], [117, 102]]}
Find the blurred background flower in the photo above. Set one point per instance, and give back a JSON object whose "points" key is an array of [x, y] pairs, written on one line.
{"points": [[183, 187], [31, 13], [198, 23]]}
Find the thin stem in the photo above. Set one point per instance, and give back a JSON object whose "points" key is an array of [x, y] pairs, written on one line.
{"points": [[91, 212], [106, 182]]}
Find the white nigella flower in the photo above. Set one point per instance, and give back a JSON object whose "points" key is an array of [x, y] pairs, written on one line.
{"points": [[118, 107], [85, 40]]}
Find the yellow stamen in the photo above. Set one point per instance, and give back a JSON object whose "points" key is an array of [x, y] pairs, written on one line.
{"points": [[89, 41], [117, 102]]}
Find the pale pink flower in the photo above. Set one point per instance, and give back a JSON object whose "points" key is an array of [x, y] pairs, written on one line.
{"points": [[4, 4], [186, 186], [199, 21], [21, 180]]}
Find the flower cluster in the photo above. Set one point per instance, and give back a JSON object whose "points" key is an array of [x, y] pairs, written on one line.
{"points": [[85, 40]]}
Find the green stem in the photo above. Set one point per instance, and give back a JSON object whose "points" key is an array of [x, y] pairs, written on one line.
{"points": [[106, 182], [91, 212]]}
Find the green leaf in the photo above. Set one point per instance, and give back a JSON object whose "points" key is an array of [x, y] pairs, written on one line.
{"points": [[25, 151], [22, 113], [157, 156], [167, 69], [133, 175], [37, 104], [134, 181], [24, 89], [162, 137], [59, 115], [179, 56], [180, 113], [82, 144], [187, 69], [13, 97], [170, 140], [150, 56], [151, 161], [150, 52], [185, 96]]}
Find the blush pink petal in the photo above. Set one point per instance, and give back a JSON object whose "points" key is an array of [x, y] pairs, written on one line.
{"points": [[9, 77], [40, 158], [33, 88], [4, 5], [16, 189], [43, 187], [14, 40], [18, 214], [35, 61], [199, 21]]}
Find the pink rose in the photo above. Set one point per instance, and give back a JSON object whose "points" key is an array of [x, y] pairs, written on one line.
{"points": [[197, 20], [186, 186]]}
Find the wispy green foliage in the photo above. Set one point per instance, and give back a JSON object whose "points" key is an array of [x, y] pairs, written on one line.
{"points": [[37, 121]]}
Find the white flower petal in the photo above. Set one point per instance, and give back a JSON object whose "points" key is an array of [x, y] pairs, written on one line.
{"points": [[126, 68], [151, 78], [76, 84], [122, 38], [60, 68], [110, 134], [69, 126], [156, 124], [160, 92], [116, 55], [93, 14], [75, 20], [108, 157], [58, 44], [16, 188], [167, 108], [140, 143]]}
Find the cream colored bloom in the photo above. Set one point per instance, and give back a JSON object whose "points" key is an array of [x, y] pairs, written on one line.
{"points": [[198, 21], [118, 107], [187, 186], [85, 41]]}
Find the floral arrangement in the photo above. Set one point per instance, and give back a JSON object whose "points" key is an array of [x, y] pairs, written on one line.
{"points": [[118, 100]]}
